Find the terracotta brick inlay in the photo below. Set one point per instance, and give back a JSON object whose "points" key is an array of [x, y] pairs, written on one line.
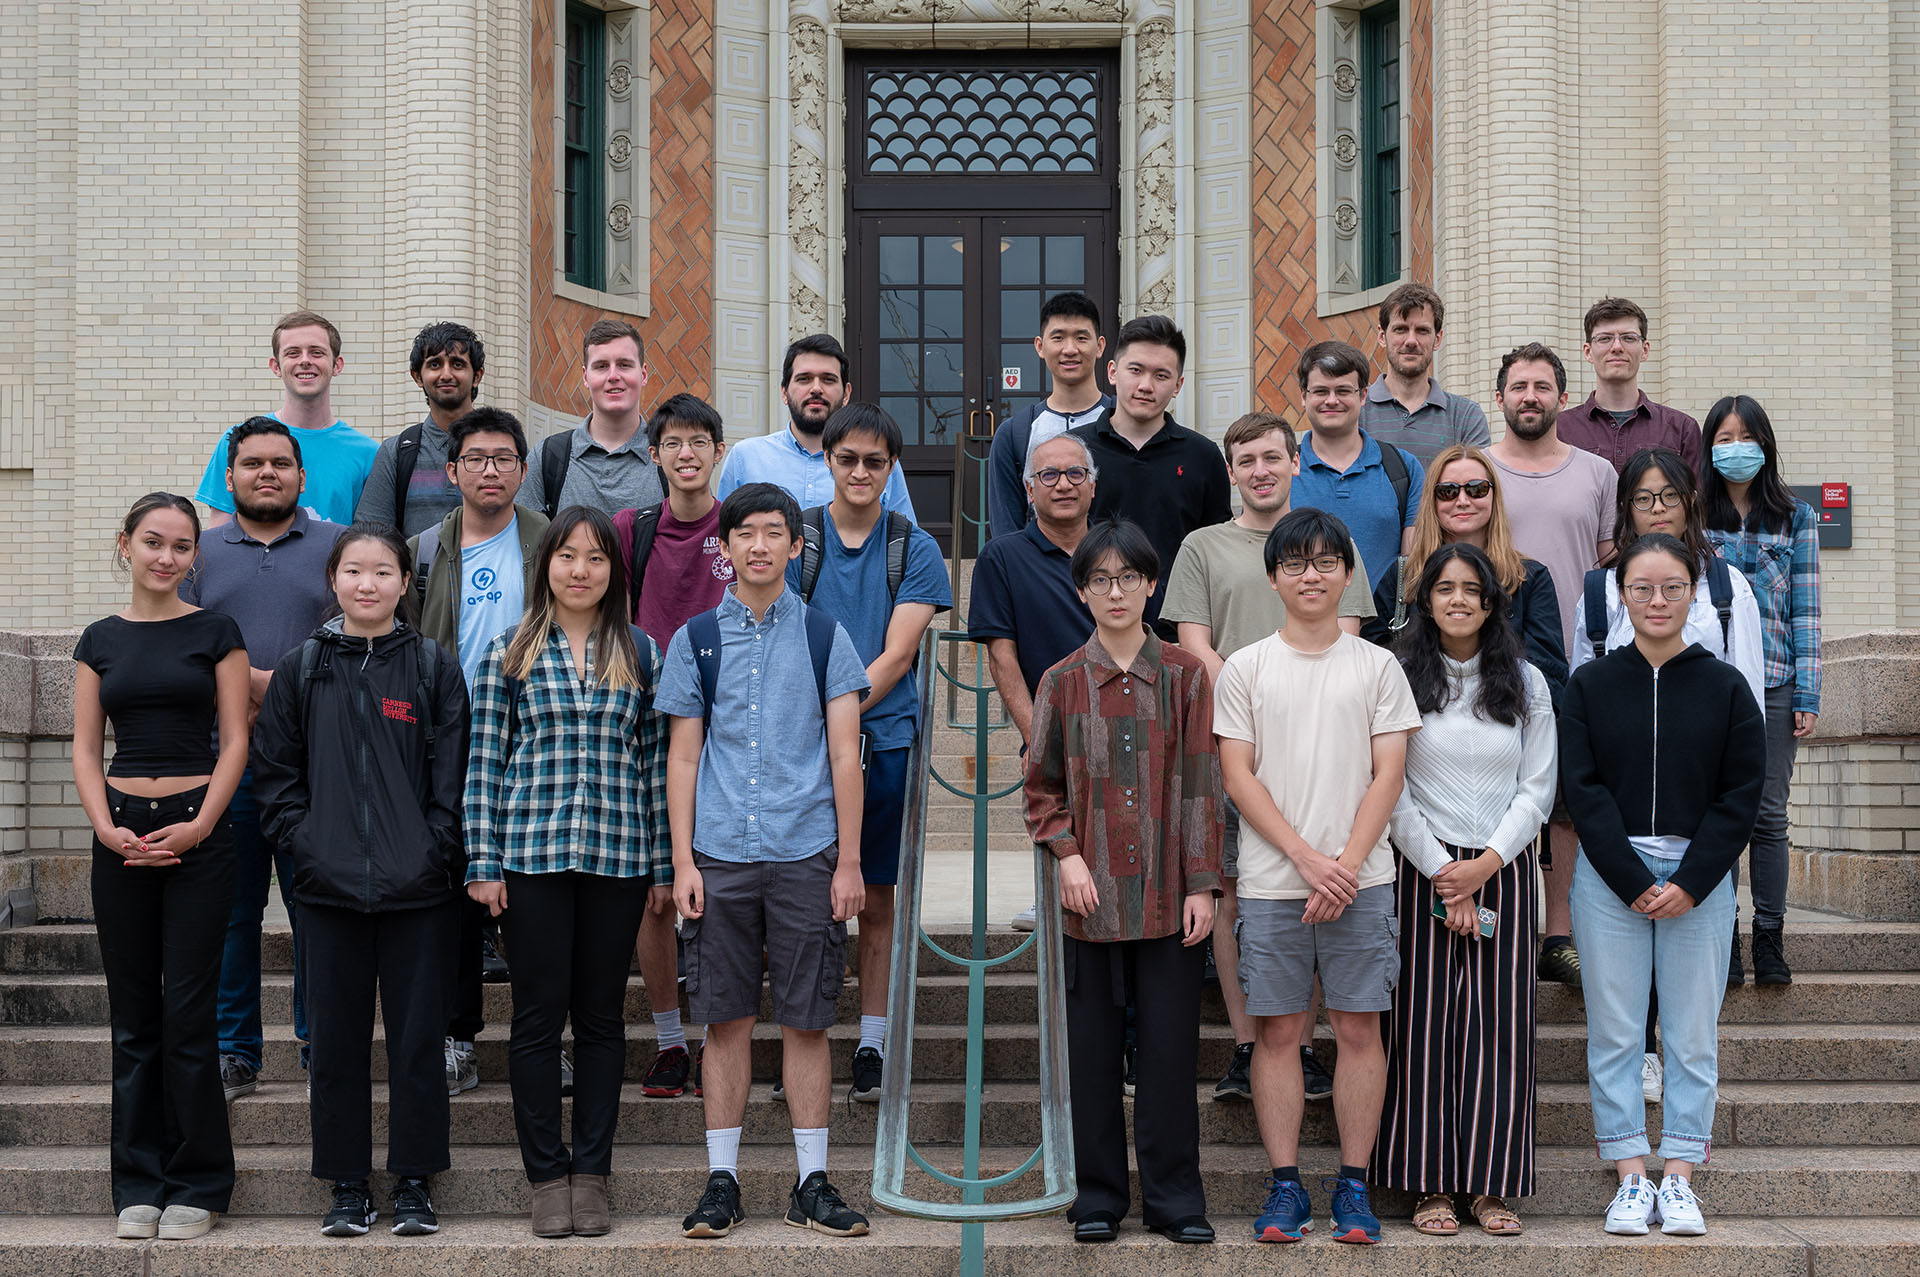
{"points": [[1284, 291], [679, 330]]}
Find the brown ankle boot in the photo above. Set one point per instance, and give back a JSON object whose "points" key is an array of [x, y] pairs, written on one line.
{"points": [[590, 1215], [552, 1209]]}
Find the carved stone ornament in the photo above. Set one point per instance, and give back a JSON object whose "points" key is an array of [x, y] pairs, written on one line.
{"points": [[619, 150], [1346, 218], [806, 174], [1345, 149], [897, 10], [620, 218], [1346, 78], [619, 81]]}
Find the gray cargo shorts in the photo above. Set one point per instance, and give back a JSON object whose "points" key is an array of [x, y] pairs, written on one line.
{"points": [[1357, 955], [783, 909]]}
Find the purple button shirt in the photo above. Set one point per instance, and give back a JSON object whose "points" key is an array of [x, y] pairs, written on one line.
{"points": [[1653, 425]]}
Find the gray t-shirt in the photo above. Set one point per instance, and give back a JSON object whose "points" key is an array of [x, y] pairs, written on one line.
{"points": [[1558, 516], [276, 593], [624, 479], [431, 496], [1219, 579]]}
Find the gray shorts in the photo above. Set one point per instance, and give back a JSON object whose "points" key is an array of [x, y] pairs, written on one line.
{"points": [[1357, 955], [1230, 842], [784, 910]]}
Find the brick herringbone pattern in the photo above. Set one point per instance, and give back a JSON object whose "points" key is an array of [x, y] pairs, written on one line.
{"points": [[679, 330], [1283, 190]]}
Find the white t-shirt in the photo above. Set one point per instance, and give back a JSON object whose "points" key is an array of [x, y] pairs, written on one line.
{"points": [[492, 589], [1311, 718], [1558, 517]]}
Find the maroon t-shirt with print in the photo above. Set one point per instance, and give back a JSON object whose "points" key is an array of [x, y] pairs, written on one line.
{"points": [[686, 572]]}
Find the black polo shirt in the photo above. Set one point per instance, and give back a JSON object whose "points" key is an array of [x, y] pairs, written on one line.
{"points": [[1023, 590], [1173, 485]]}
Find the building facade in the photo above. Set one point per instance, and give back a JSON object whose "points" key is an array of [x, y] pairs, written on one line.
{"points": [[916, 176]]}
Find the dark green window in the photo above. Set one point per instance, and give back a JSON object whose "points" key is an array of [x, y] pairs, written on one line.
{"points": [[1381, 179], [584, 160]]}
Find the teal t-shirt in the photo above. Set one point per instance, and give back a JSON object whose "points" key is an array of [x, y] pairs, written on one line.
{"points": [[336, 459]]}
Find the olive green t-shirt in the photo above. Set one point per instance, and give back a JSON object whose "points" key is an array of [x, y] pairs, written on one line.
{"points": [[1219, 579]]}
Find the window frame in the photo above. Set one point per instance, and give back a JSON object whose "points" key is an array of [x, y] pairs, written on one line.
{"points": [[617, 220], [583, 201], [1382, 251], [1348, 206]]}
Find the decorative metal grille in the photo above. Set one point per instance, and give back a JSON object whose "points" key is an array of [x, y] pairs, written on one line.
{"points": [[1013, 121]]}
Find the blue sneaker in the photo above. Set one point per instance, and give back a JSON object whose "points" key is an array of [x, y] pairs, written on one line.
{"points": [[1287, 1213], [1353, 1219]]}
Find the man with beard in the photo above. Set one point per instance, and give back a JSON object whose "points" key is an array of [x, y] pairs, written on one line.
{"points": [[266, 568], [1560, 507], [409, 488], [1406, 405], [813, 385], [604, 461]]}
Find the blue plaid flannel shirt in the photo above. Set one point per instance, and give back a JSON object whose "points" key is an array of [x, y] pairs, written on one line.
{"points": [[1784, 570], [583, 787]]}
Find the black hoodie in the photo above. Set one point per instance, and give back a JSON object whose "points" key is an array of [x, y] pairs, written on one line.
{"points": [[343, 780], [1680, 750]]}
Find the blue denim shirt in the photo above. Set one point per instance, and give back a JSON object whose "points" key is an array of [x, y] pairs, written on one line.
{"points": [[766, 790], [779, 459]]}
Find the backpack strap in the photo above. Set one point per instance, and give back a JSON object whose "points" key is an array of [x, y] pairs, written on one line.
{"points": [[1394, 462], [820, 629], [556, 455], [703, 636], [645, 524], [1399, 594], [406, 453], [899, 531], [640, 640], [1720, 590], [423, 558], [1595, 589], [427, 681], [813, 549]]}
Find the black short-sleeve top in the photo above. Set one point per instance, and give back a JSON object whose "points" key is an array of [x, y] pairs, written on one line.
{"points": [[157, 688]]}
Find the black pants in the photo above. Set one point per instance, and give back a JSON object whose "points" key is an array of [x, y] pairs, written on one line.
{"points": [[162, 931], [571, 935], [1164, 977], [465, 1016], [407, 956]]}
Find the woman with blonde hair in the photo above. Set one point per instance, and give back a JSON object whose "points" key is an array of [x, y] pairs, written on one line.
{"points": [[1461, 504]]}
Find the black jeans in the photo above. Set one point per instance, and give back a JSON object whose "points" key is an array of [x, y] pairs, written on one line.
{"points": [[407, 954], [466, 1015], [571, 935], [162, 930]]}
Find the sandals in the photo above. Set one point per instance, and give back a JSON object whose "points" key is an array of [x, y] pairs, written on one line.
{"points": [[1434, 1216], [1494, 1216]]}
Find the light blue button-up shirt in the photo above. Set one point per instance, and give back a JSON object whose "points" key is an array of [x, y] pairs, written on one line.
{"points": [[766, 789], [779, 459]]}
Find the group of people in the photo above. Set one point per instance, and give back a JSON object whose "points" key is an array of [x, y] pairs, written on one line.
{"points": [[1375, 824], [445, 685]]}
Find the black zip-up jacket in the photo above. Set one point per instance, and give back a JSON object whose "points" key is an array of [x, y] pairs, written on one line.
{"points": [[343, 778], [1678, 751]]}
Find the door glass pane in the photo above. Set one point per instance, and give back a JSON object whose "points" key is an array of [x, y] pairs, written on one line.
{"points": [[899, 259], [900, 368], [905, 412], [946, 417], [945, 368], [1020, 313], [1033, 373], [942, 314], [944, 258], [899, 312], [1066, 259], [1020, 259]]}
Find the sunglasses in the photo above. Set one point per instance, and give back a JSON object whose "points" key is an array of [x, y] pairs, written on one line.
{"points": [[1476, 488]]}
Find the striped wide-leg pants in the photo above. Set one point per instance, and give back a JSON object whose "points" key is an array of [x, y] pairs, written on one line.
{"points": [[1460, 1044]]}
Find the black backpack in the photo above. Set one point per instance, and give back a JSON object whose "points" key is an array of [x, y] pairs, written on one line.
{"points": [[316, 660], [1719, 589], [406, 453], [646, 523], [813, 550]]}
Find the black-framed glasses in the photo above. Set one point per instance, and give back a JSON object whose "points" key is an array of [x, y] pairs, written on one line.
{"points": [[1475, 488], [1324, 564], [1128, 581], [476, 463], [1671, 591], [1667, 498], [1052, 475]]}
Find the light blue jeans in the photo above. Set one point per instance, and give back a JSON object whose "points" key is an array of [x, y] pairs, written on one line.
{"points": [[1622, 953]]}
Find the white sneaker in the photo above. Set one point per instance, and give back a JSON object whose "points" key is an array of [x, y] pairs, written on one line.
{"points": [[463, 1072], [138, 1222], [1653, 1078], [183, 1223], [1634, 1207], [1679, 1209], [1027, 919]]}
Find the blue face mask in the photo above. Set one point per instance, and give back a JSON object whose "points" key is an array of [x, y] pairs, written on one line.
{"points": [[1738, 462]]}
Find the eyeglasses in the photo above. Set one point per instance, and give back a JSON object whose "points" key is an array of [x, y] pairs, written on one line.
{"points": [[1324, 564], [699, 444], [1475, 488], [1129, 581], [1317, 393], [1671, 591], [1074, 475], [476, 463], [1626, 341], [874, 462], [1666, 498]]}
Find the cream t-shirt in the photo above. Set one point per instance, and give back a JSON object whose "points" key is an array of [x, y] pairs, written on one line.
{"points": [[1311, 718]]}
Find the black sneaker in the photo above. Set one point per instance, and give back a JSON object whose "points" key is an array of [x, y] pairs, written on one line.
{"points": [[1209, 973], [353, 1213], [668, 1076], [412, 1209], [816, 1204], [1131, 1080], [780, 1090], [493, 967], [1319, 1082], [237, 1077], [1737, 973], [719, 1208], [1770, 957], [867, 1065], [1560, 962], [1238, 1082]]}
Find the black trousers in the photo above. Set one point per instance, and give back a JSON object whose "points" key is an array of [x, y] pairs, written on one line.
{"points": [[406, 955], [571, 935], [1164, 977], [465, 1015], [162, 931]]}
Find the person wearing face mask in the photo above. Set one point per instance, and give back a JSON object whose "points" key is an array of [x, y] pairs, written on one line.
{"points": [[1772, 537]]}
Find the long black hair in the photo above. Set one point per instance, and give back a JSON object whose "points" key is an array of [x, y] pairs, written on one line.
{"points": [[618, 656], [1772, 508], [1680, 478], [1503, 680]]}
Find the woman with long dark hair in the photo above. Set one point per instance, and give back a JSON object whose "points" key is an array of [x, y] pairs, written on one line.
{"points": [[1480, 776], [1773, 538], [566, 836], [164, 673], [1661, 761], [359, 757]]}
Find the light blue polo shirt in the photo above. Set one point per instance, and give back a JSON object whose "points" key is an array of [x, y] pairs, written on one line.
{"points": [[1362, 498], [337, 461], [779, 459]]}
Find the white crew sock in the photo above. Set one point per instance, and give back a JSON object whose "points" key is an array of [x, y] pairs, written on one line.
{"points": [[723, 1151], [666, 1027], [873, 1032], [809, 1148]]}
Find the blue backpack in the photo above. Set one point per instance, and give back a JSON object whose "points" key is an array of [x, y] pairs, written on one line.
{"points": [[703, 634]]}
